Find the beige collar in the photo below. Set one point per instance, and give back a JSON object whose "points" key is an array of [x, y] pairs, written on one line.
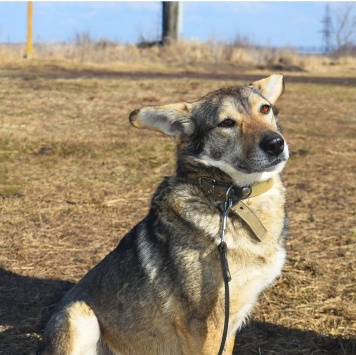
{"points": [[217, 190], [220, 192]]}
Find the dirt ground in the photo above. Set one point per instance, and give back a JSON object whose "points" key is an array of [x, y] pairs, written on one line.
{"points": [[75, 176]]}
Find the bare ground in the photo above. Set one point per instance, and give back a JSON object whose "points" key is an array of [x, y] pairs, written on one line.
{"points": [[74, 177]]}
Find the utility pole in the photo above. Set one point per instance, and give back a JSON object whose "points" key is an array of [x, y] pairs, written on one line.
{"points": [[171, 21], [327, 30], [29, 47]]}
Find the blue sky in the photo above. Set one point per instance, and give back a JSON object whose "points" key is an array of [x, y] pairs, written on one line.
{"points": [[264, 23]]}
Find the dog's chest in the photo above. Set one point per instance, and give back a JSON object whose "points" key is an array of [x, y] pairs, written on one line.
{"points": [[250, 275], [254, 263]]}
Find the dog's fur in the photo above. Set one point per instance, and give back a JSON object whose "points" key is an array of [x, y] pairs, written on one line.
{"points": [[161, 291]]}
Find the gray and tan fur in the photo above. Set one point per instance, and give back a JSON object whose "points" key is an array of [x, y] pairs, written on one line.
{"points": [[161, 291]]}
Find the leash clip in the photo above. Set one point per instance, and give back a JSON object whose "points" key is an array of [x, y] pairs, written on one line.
{"points": [[224, 213]]}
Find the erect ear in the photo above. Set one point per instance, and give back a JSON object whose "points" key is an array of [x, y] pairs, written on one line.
{"points": [[174, 119], [271, 88]]}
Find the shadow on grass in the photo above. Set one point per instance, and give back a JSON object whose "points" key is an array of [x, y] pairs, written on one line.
{"points": [[267, 339], [25, 306], [27, 302]]}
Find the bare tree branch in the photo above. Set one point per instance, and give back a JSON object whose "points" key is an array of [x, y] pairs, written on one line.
{"points": [[345, 25]]}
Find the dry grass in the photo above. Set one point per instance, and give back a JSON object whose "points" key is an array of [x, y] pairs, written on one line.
{"points": [[75, 177], [183, 55]]}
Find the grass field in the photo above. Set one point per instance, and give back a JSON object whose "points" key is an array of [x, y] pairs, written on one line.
{"points": [[75, 176]]}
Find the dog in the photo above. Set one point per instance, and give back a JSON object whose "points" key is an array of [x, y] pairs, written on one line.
{"points": [[161, 291]]}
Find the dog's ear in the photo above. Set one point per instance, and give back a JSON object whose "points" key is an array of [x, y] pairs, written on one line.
{"points": [[271, 88], [174, 119]]}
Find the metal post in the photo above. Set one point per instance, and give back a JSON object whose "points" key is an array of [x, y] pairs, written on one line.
{"points": [[171, 23], [29, 48]]}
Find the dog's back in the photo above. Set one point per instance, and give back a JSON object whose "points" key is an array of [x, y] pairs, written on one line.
{"points": [[161, 290]]}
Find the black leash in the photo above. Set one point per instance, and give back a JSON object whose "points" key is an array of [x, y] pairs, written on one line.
{"points": [[227, 278], [225, 268]]}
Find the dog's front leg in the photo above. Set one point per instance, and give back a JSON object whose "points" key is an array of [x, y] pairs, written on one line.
{"points": [[229, 346], [213, 342], [199, 339]]}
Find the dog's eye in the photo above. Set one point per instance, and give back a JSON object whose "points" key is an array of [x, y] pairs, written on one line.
{"points": [[265, 109], [228, 123]]}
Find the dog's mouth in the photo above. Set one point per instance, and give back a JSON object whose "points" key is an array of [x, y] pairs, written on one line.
{"points": [[273, 164], [249, 170], [261, 166], [266, 163]]}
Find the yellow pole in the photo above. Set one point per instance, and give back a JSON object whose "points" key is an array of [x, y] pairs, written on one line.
{"points": [[29, 49]]}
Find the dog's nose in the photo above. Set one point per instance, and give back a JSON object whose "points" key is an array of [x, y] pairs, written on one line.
{"points": [[272, 144]]}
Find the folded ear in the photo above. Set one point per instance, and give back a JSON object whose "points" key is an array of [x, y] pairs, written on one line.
{"points": [[174, 120], [271, 88]]}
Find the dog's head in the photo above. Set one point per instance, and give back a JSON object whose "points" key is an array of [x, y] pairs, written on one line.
{"points": [[233, 129]]}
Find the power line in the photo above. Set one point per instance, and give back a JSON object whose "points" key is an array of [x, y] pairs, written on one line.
{"points": [[327, 30]]}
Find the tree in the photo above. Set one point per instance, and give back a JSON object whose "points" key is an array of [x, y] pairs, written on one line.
{"points": [[344, 23]]}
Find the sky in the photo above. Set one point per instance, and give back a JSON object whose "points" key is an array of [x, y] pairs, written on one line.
{"points": [[276, 24]]}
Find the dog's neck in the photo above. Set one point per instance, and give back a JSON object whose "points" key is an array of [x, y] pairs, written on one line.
{"points": [[218, 187], [215, 183], [193, 169]]}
